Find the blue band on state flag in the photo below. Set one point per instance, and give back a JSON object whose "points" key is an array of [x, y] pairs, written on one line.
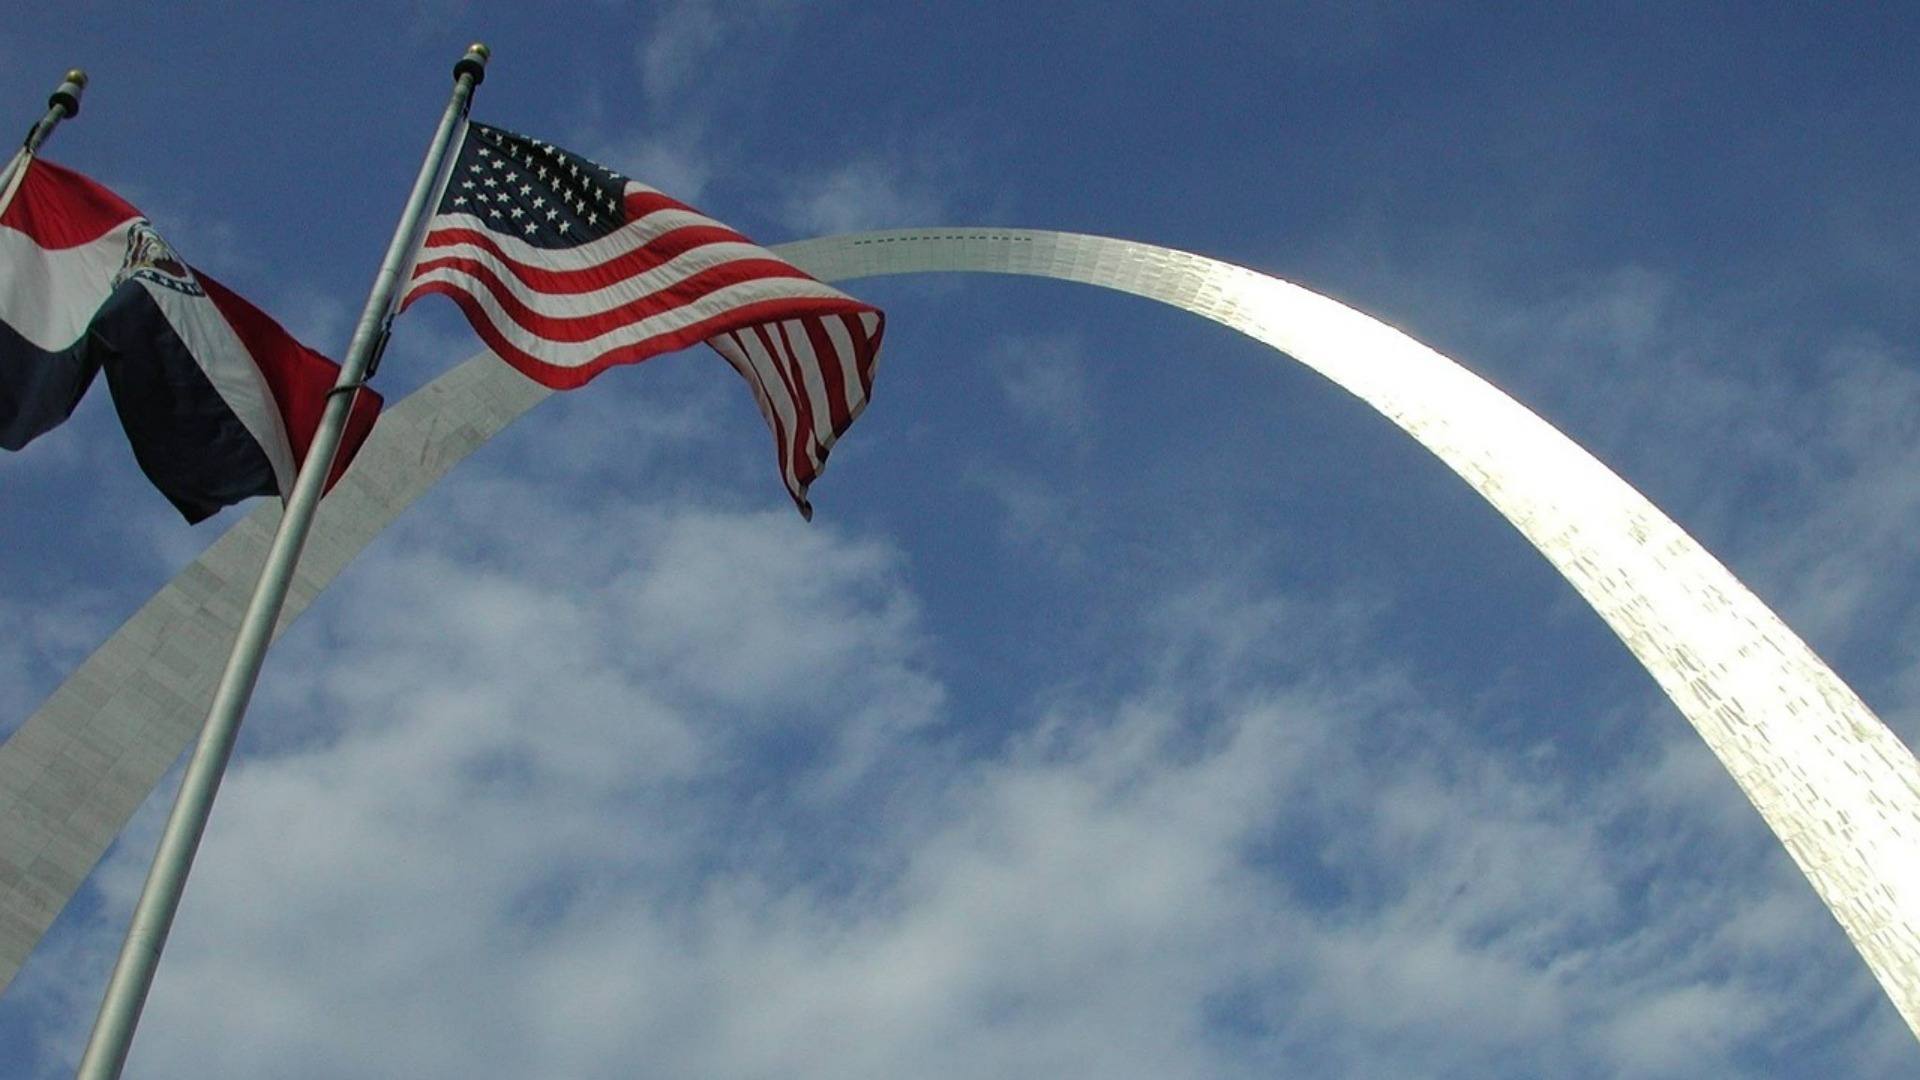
{"points": [[185, 437], [38, 388]]}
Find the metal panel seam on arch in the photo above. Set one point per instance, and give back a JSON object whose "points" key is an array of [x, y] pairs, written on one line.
{"points": [[1836, 786]]}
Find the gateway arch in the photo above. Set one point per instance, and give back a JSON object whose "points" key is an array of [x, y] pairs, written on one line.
{"points": [[1837, 787]]}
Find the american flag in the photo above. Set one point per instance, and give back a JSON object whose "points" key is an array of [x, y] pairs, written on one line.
{"points": [[566, 268]]}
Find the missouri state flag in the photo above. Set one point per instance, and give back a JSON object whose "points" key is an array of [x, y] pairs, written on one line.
{"points": [[565, 268], [218, 402]]}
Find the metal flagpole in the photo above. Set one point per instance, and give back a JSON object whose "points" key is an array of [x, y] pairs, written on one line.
{"points": [[64, 102], [112, 1037]]}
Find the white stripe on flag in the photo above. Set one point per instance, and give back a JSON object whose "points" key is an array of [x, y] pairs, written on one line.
{"points": [[777, 402], [664, 276], [642, 231], [624, 291], [851, 391], [231, 369], [50, 296], [802, 361], [531, 340]]}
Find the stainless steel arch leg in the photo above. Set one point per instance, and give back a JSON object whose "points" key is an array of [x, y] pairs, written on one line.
{"points": [[1838, 788]]}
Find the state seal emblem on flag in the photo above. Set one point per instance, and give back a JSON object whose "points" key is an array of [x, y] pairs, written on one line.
{"points": [[151, 258]]}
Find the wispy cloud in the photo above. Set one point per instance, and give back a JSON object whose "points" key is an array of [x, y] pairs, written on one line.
{"points": [[864, 194], [1157, 757], [685, 774], [1045, 382], [680, 49]]}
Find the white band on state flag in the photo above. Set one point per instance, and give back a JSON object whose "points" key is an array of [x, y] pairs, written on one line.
{"points": [[49, 295], [233, 372]]}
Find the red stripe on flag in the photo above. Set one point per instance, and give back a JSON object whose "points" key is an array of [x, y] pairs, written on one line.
{"points": [[555, 370], [622, 263], [563, 315], [299, 378], [675, 294], [832, 373], [584, 324], [60, 208], [799, 406]]}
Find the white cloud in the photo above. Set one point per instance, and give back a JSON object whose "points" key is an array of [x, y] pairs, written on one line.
{"points": [[869, 193], [40, 641], [670, 162], [693, 42], [586, 775], [1045, 381], [672, 785], [680, 49], [663, 135], [585, 770]]}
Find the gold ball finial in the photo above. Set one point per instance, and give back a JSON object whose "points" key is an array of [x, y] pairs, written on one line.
{"points": [[66, 96], [473, 66]]}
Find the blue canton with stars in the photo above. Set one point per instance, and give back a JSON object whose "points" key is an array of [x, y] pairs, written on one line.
{"points": [[532, 190]]}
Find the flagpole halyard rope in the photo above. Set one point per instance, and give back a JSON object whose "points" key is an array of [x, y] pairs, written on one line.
{"points": [[139, 959], [62, 103]]}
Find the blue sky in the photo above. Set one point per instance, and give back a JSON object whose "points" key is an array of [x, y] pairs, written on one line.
{"points": [[1137, 705]]}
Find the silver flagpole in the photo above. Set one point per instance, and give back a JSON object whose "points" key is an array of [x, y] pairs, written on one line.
{"points": [[64, 102], [126, 994]]}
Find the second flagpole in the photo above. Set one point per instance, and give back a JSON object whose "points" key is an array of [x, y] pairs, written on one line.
{"points": [[133, 972]]}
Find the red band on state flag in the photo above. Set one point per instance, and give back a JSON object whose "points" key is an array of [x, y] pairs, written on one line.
{"points": [[218, 401]]}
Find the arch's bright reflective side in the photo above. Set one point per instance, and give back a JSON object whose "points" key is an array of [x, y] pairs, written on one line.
{"points": [[1838, 788]]}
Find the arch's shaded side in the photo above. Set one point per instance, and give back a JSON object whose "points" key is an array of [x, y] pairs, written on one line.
{"points": [[77, 769], [1838, 788]]}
